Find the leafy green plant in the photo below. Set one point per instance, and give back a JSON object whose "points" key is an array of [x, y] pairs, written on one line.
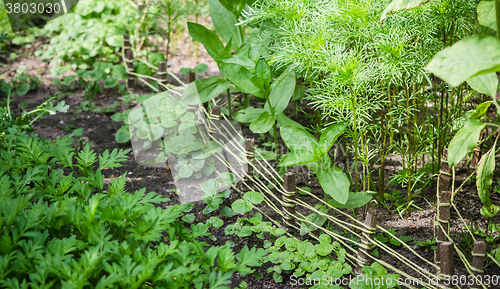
{"points": [[198, 69], [92, 235], [376, 276], [165, 117], [371, 75], [305, 149], [302, 258], [103, 71], [27, 118], [93, 31], [23, 83], [245, 227], [428, 245]]}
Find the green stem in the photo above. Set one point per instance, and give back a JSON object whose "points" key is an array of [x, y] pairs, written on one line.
{"points": [[8, 104], [497, 9], [229, 102], [275, 140]]}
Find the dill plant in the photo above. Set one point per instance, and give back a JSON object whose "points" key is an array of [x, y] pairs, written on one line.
{"points": [[371, 74]]}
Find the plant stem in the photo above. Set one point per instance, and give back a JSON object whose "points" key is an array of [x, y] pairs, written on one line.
{"points": [[8, 103], [275, 140], [229, 103], [497, 10]]}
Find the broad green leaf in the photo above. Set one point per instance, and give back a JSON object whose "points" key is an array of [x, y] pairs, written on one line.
{"points": [[23, 89], [227, 212], [468, 57], [240, 60], [253, 197], [204, 90], [464, 141], [210, 187], [485, 83], [291, 244], [335, 183], [111, 82], [240, 77], [330, 135], [397, 5], [114, 40], [324, 249], [266, 155], [208, 38], [157, 131], [284, 120], [306, 249], [143, 69], [263, 124], [497, 255], [200, 68], [240, 206], [263, 70], [299, 139], [156, 58], [119, 72], [486, 14], [224, 23], [297, 157], [489, 212], [324, 238], [484, 177], [355, 200], [189, 218], [248, 114], [314, 218], [481, 109], [185, 172], [280, 95], [122, 135]]}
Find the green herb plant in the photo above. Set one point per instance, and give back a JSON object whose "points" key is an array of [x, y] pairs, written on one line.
{"points": [[302, 258], [428, 245], [23, 83], [376, 277]]}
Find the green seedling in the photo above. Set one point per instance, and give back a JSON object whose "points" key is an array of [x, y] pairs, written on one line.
{"points": [[428, 245]]}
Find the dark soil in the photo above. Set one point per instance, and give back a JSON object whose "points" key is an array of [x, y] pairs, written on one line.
{"points": [[100, 130]]}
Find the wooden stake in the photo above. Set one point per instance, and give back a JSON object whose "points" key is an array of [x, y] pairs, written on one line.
{"points": [[289, 200], [191, 76], [445, 175], [443, 219], [447, 265], [478, 256], [162, 74], [367, 241], [126, 42]]}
